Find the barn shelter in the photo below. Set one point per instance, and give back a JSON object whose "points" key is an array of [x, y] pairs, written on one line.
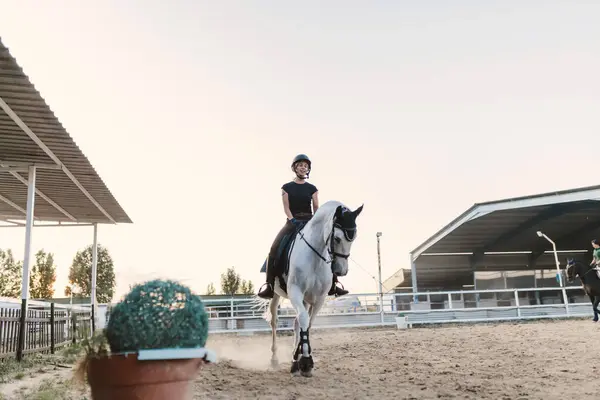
{"points": [[501, 238], [45, 179]]}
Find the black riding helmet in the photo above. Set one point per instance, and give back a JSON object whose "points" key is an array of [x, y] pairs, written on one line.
{"points": [[297, 159]]}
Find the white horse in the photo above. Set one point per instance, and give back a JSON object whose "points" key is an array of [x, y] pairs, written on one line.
{"points": [[320, 250]]}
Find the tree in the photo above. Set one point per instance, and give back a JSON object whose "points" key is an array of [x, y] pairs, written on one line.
{"points": [[230, 282], [42, 276], [247, 287], [11, 272], [210, 289], [80, 274]]}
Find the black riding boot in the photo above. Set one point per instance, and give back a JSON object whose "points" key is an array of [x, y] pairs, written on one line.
{"points": [[337, 291], [268, 292]]}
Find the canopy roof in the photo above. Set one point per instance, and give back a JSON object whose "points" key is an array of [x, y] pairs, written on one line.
{"points": [[68, 187], [473, 240]]}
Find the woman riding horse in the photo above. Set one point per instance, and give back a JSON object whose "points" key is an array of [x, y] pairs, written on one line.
{"points": [[297, 196], [595, 255]]}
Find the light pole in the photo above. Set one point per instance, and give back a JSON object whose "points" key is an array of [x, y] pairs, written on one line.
{"points": [[560, 281], [380, 283]]}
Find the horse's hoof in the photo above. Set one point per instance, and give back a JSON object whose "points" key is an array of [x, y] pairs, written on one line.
{"points": [[307, 374], [295, 368], [306, 365]]}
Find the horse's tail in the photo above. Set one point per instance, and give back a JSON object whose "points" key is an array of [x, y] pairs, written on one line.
{"points": [[267, 316], [258, 303]]}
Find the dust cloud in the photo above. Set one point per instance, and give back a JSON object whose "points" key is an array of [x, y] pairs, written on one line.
{"points": [[251, 351]]}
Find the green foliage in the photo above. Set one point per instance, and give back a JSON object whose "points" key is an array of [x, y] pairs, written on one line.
{"points": [[232, 283], [247, 287], [11, 272], [156, 315], [42, 276], [80, 274], [210, 289]]}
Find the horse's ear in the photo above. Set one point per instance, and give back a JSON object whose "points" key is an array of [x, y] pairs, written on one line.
{"points": [[358, 211]]}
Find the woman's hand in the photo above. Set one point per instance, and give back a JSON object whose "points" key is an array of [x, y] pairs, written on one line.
{"points": [[294, 221], [286, 204]]}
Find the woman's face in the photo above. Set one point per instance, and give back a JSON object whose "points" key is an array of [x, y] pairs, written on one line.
{"points": [[302, 168]]}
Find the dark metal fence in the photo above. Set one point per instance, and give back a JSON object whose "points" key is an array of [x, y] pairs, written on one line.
{"points": [[49, 326]]}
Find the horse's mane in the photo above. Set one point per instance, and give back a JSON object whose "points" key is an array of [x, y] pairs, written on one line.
{"points": [[576, 261], [322, 221]]}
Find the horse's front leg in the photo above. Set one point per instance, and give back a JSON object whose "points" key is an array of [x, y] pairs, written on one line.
{"points": [[595, 301], [295, 368], [302, 352], [273, 309], [314, 310]]}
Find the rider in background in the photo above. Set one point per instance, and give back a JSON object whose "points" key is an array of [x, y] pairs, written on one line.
{"points": [[297, 197], [595, 254]]}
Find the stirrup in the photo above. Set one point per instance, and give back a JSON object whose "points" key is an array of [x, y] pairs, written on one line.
{"points": [[266, 293]]}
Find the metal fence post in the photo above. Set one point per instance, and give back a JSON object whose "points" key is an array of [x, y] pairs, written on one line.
{"points": [[516, 292], [52, 332], [231, 326], [21, 332], [74, 326]]}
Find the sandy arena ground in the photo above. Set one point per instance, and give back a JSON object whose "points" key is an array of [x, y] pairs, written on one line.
{"points": [[526, 360]]}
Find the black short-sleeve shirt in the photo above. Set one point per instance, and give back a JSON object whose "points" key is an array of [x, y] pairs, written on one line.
{"points": [[300, 197]]}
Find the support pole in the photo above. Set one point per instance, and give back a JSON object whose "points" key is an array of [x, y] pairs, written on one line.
{"points": [[413, 275], [26, 260], [558, 272], [94, 274], [380, 283]]}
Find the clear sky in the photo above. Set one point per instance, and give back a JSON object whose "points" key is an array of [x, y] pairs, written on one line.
{"points": [[192, 111]]}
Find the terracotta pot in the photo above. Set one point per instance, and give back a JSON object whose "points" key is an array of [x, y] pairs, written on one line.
{"points": [[124, 377]]}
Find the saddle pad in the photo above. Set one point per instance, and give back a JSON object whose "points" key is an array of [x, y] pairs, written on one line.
{"points": [[283, 248]]}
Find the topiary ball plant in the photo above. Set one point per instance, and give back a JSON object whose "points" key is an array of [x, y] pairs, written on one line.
{"points": [[157, 314]]}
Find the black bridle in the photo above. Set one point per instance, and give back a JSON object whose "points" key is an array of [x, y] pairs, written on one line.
{"points": [[349, 234], [577, 271]]}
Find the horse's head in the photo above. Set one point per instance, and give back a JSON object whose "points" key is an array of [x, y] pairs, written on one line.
{"points": [[572, 270], [342, 235]]}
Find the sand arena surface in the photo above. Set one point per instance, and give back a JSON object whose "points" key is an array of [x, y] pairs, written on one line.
{"points": [[520, 360]]}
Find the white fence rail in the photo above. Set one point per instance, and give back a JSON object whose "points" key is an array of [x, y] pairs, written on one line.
{"points": [[10, 302], [364, 310]]}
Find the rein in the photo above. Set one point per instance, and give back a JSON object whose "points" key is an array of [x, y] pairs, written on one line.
{"points": [[332, 253], [584, 274], [587, 272]]}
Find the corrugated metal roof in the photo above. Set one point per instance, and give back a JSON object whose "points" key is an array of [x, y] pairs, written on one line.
{"points": [[515, 230], [58, 196], [569, 217], [515, 222]]}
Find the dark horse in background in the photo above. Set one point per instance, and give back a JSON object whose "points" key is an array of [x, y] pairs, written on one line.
{"points": [[589, 279]]}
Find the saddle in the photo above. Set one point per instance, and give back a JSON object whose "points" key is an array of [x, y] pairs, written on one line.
{"points": [[282, 259]]}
